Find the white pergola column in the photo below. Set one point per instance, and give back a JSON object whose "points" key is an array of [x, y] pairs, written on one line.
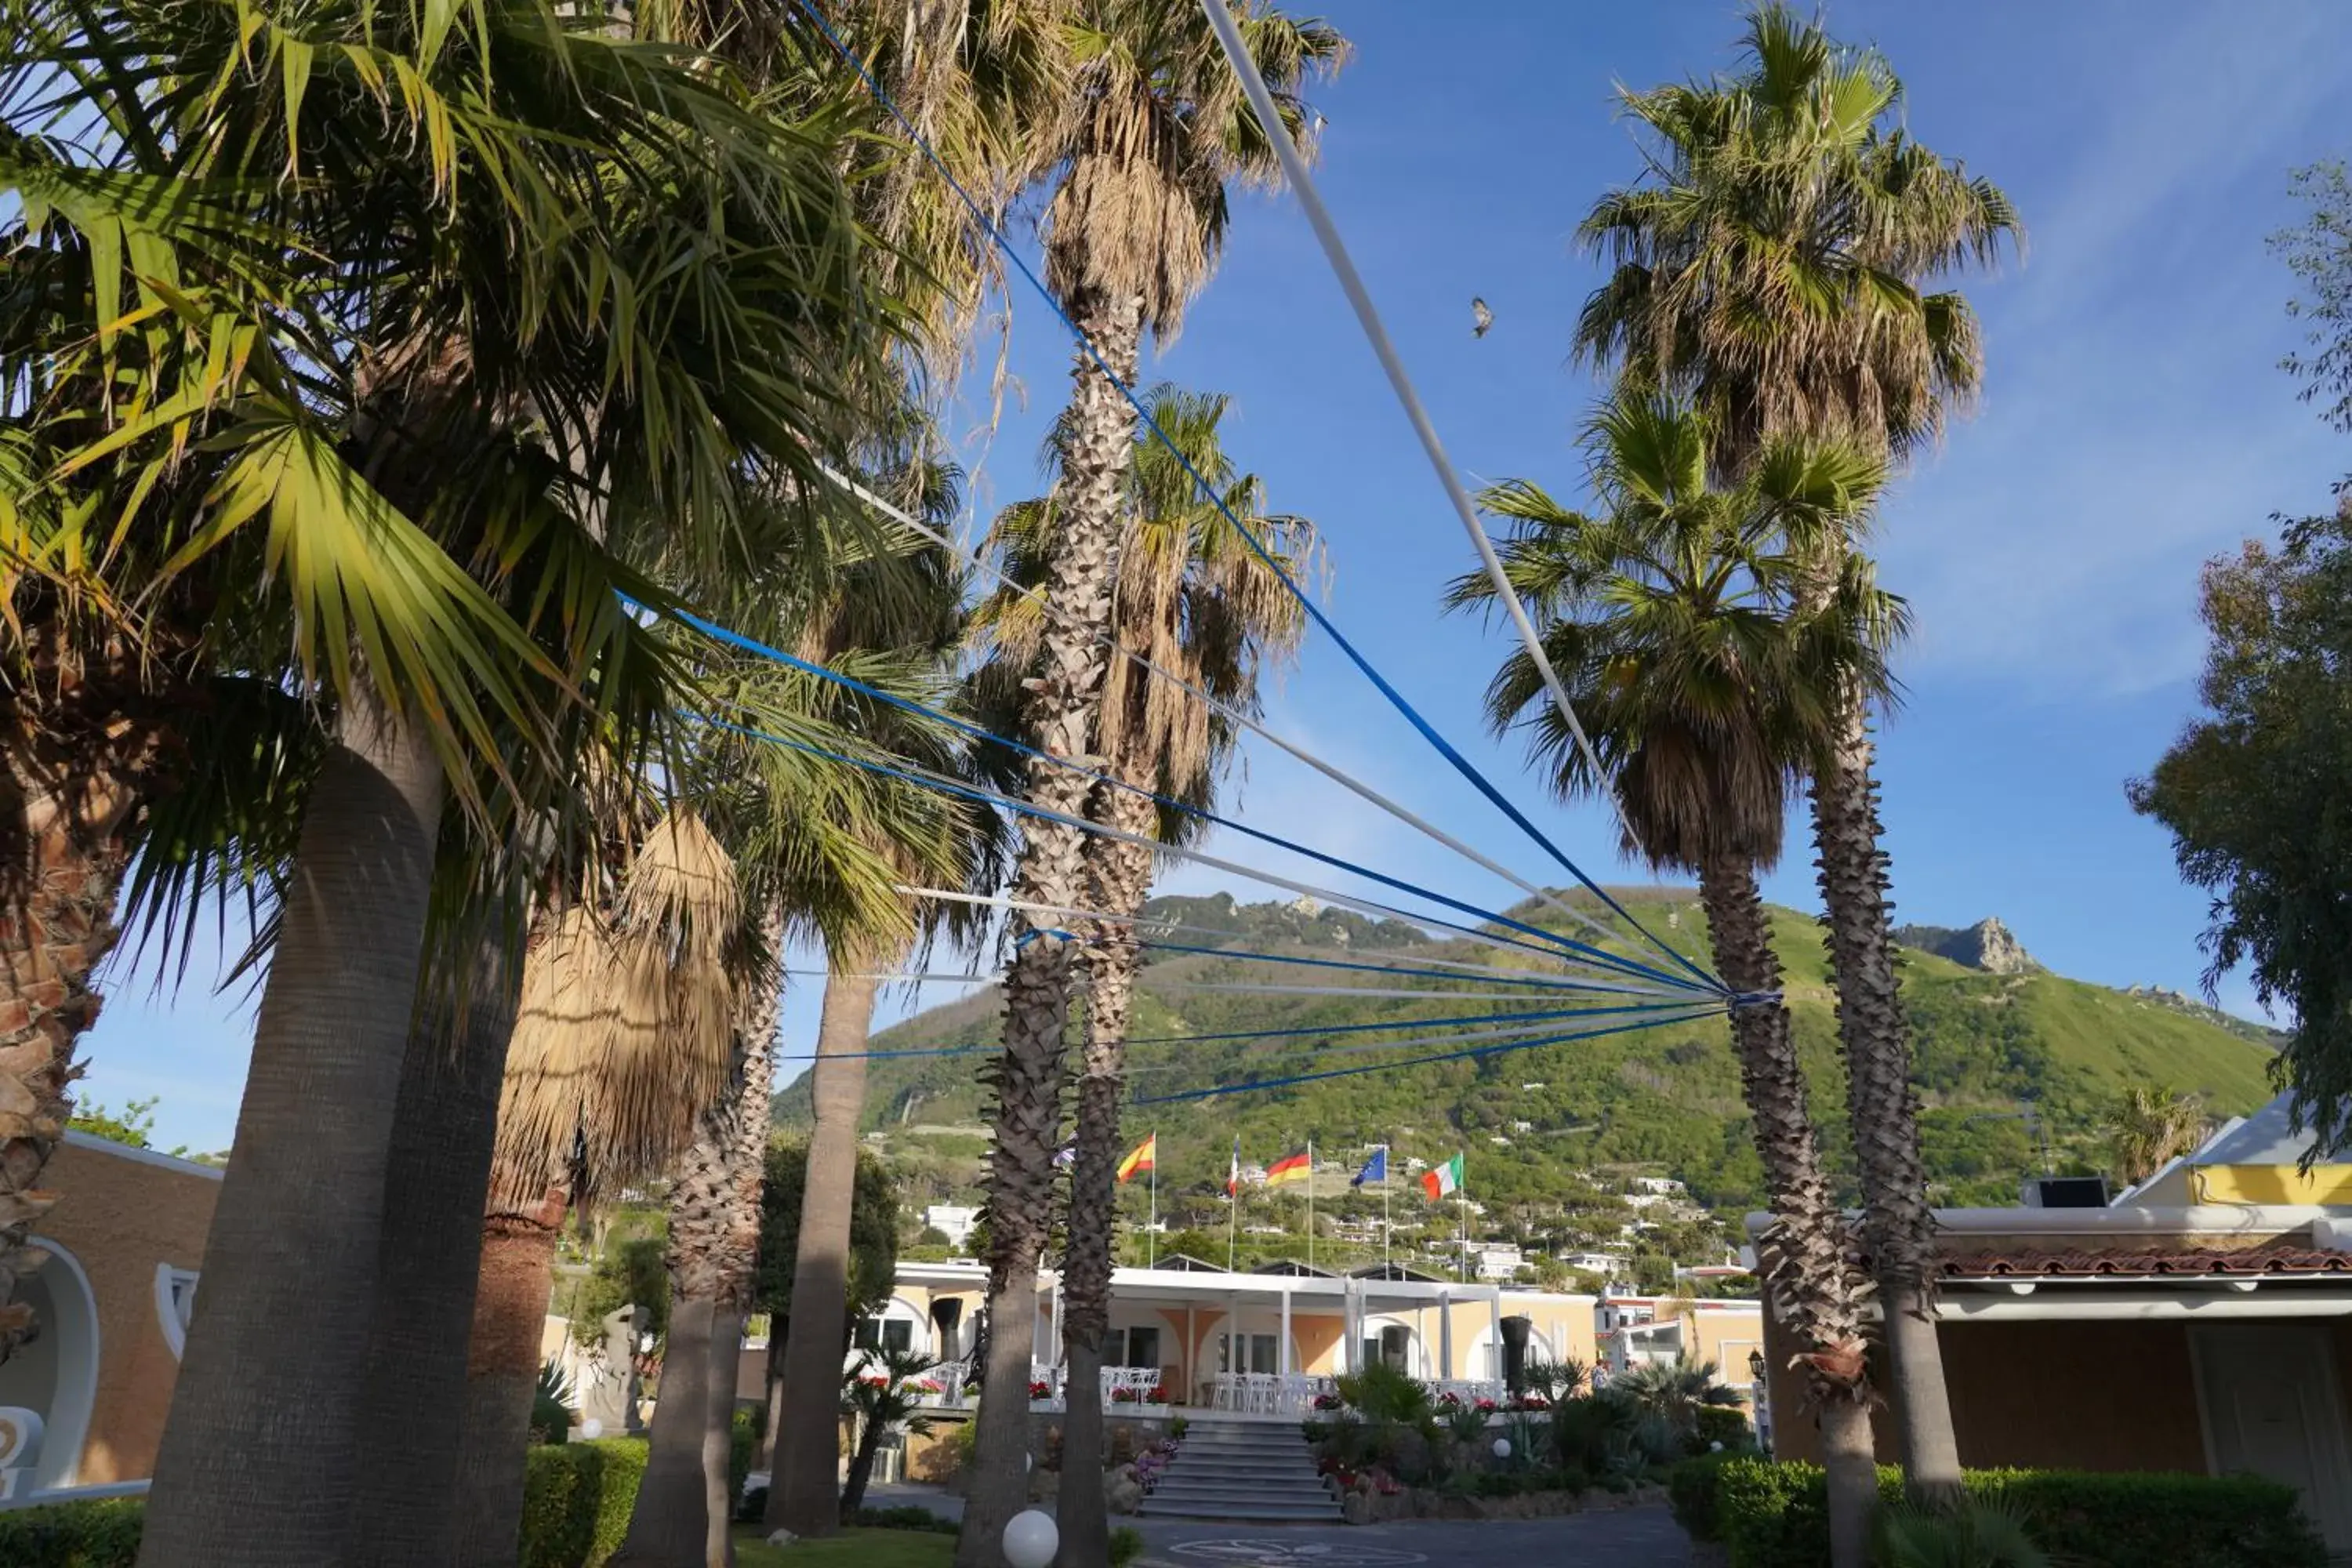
{"points": [[1191, 1356], [1282, 1345], [1444, 1335], [1498, 1333]]}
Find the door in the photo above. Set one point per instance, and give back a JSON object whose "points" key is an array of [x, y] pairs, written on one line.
{"points": [[2273, 1406]]}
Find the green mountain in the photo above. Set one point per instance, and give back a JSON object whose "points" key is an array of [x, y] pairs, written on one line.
{"points": [[2003, 1059]]}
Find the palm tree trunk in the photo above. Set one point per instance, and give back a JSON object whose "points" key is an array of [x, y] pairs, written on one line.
{"points": [[668, 1527], [1027, 1077], [501, 1366], [57, 925], [430, 1261], [805, 1489], [861, 1467], [258, 1461], [713, 1245], [1120, 874], [1900, 1226], [1816, 1292]]}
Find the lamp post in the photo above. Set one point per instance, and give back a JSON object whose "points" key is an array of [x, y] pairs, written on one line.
{"points": [[1759, 1396]]}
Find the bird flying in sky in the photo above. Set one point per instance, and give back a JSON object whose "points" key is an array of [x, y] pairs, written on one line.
{"points": [[1481, 318]]}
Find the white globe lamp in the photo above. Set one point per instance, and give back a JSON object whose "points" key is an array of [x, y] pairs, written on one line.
{"points": [[1502, 1447], [1031, 1539], [591, 1430]]}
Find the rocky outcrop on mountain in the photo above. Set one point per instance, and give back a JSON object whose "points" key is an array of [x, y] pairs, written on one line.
{"points": [[1988, 945]]}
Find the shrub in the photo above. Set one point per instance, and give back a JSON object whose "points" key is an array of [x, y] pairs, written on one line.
{"points": [[1777, 1516], [99, 1535], [1126, 1545], [1691, 1489], [921, 1519], [743, 1448], [551, 1404], [1381, 1393], [1724, 1423], [576, 1500], [575, 1509]]}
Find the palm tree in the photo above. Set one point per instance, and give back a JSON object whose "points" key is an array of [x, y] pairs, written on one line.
{"points": [[398, 407], [881, 1393], [624, 1034], [1675, 1392], [1158, 130], [1670, 613], [1196, 601], [1774, 266], [837, 870], [2150, 1126]]}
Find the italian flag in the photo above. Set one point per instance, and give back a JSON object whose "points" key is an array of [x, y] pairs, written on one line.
{"points": [[1442, 1181]]}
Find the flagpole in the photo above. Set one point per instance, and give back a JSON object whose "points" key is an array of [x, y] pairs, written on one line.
{"points": [[1310, 1203], [1232, 1205], [1462, 1196], [1151, 1231], [1387, 1228]]}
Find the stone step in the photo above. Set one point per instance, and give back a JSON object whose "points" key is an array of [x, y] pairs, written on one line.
{"points": [[1303, 1481], [1240, 1475], [1157, 1507], [1191, 1464]]}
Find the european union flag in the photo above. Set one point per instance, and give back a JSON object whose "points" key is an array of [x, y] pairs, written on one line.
{"points": [[1376, 1169]]}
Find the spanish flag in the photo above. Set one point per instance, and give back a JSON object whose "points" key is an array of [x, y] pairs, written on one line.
{"points": [[1144, 1158], [1289, 1168]]}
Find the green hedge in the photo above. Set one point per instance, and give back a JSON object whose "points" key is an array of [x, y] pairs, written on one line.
{"points": [[101, 1534], [1691, 1488], [1777, 1515], [575, 1509], [577, 1498]]}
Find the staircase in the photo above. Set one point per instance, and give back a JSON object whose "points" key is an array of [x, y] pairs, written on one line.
{"points": [[1243, 1469]]}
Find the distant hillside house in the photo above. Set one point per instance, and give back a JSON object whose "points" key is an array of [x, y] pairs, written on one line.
{"points": [[954, 1221], [2201, 1323], [113, 1296]]}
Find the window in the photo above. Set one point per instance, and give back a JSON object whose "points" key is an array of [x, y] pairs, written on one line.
{"points": [[1138, 1346], [885, 1333], [1391, 1346], [1257, 1353]]}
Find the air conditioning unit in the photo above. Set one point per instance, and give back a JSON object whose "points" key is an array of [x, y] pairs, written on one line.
{"points": [[2066, 1192]]}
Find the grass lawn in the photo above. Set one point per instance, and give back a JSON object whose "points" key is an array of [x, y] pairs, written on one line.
{"points": [[850, 1549]]}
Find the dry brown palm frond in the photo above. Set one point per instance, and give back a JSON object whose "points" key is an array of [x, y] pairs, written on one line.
{"points": [[624, 1033]]}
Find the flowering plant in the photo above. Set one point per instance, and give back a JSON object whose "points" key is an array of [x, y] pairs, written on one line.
{"points": [[1328, 1402], [1485, 1407], [1041, 1390], [1127, 1396], [1448, 1400], [1159, 1394], [1530, 1402]]}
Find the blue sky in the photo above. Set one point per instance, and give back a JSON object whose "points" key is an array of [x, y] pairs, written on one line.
{"points": [[2134, 424]]}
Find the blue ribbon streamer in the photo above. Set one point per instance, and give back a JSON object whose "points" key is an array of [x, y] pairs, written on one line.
{"points": [[1462, 764], [1292, 1079], [989, 797]]}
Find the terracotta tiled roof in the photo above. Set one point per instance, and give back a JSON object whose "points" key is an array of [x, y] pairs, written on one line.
{"points": [[2092, 1263]]}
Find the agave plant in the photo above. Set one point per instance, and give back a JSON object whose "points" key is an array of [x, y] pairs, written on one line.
{"points": [[1975, 1535]]}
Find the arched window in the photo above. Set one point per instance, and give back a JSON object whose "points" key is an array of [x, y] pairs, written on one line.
{"points": [[56, 1377]]}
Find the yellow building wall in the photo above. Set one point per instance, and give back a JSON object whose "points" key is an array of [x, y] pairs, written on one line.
{"points": [[2325, 1185], [122, 1218]]}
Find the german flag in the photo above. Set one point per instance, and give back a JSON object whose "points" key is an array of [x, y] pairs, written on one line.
{"points": [[1289, 1168], [1144, 1158]]}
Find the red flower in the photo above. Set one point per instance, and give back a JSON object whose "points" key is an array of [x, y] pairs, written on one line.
{"points": [[1040, 1391], [1159, 1394]]}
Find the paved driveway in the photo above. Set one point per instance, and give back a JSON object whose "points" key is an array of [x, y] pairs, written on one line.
{"points": [[1603, 1538], [1619, 1538], [1616, 1538]]}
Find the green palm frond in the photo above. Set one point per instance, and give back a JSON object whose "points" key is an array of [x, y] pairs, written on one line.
{"points": [[1689, 623]]}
